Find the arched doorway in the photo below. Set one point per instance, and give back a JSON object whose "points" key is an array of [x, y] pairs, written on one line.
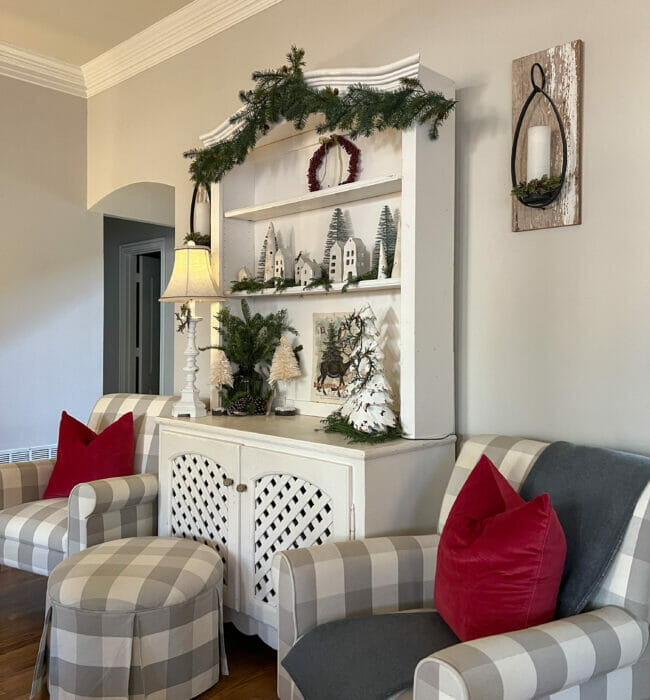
{"points": [[138, 260]]}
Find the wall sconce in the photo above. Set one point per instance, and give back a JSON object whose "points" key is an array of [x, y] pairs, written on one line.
{"points": [[545, 161], [540, 187]]}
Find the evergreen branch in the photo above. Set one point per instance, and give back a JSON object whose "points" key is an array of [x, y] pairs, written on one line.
{"points": [[354, 281], [284, 94], [335, 423], [322, 281], [250, 285], [542, 185], [198, 238], [183, 316]]}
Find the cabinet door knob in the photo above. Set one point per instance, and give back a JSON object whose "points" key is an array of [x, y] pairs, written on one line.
{"points": [[241, 488], [228, 481]]}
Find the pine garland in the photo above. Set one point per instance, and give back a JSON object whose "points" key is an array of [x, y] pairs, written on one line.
{"points": [[284, 94]]}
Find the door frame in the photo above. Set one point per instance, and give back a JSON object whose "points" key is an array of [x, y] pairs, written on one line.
{"points": [[126, 312]]}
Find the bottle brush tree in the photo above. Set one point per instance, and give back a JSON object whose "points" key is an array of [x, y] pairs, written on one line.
{"points": [[366, 415], [386, 233], [337, 232], [284, 368]]}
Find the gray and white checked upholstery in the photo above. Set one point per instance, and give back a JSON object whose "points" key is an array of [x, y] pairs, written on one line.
{"points": [[23, 482], [36, 534], [134, 618], [344, 579], [601, 654], [146, 408]]}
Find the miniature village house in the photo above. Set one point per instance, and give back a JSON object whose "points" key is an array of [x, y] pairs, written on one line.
{"points": [[279, 264], [336, 263], [351, 253], [243, 274], [309, 271], [298, 266]]}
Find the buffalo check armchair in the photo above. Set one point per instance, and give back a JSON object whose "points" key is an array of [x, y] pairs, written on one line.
{"points": [[37, 534], [601, 654]]}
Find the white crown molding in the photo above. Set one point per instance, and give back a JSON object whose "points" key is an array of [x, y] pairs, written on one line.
{"points": [[47, 72], [183, 29], [168, 37], [380, 77]]}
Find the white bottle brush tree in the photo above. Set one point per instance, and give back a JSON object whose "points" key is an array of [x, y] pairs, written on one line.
{"points": [[366, 415], [221, 373], [284, 368]]}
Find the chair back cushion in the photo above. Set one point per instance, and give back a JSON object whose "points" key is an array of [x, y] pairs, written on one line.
{"points": [[627, 582], [146, 408]]}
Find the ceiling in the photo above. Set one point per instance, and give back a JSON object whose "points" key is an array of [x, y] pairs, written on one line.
{"points": [[78, 30]]}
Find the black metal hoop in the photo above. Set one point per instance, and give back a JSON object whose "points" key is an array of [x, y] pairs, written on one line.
{"points": [[194, 194], [542, 200]]}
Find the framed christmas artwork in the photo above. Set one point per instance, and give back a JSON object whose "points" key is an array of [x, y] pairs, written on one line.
{"points": [[331, 358]]}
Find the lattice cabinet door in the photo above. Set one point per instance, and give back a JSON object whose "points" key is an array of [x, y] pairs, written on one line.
{"points": [[289, 502], [202, 500]]}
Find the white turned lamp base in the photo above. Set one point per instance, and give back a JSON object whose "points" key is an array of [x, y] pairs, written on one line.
{"points": [[189, 404]]}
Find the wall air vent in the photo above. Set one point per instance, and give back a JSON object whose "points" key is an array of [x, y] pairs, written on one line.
{"points": [[28, 454]]}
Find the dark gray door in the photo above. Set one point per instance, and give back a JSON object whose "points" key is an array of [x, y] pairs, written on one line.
{"points": [[148, 325]]}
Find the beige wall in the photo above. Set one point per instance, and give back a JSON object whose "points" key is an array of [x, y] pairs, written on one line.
{"points": [[553, 329], [50, 266]]}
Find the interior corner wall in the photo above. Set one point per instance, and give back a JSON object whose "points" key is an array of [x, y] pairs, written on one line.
{"points": [[552, 326], [50, 266]]}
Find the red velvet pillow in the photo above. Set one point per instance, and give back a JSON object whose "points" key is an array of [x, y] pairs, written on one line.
{"points": [[500, 559], [82, 455]]}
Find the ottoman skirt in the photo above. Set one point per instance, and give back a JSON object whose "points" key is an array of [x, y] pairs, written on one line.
{"points": [[93, 646]]}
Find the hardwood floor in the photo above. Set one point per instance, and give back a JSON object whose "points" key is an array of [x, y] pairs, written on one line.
{"points": [[22, 596]]}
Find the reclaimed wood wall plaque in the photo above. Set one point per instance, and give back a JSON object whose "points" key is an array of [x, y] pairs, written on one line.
{"points": [[562, 66]]}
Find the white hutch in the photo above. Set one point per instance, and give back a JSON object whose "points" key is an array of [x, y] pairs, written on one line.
{"points": [[251, 486]]}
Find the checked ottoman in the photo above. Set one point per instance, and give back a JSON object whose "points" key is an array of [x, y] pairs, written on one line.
{"points": [[133, 618]]}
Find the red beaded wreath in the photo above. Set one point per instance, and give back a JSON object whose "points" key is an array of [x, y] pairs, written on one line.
{"points": [[318, 157]]}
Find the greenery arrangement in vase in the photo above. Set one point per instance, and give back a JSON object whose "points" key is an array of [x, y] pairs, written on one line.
{"points": [[250, 342]]}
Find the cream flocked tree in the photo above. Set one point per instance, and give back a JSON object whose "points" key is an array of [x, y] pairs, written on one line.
{"points": [[221, 372], [367, 410], [284, 368]]}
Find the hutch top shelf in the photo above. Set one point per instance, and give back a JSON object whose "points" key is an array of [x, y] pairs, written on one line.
{"points": [[333, 197]]}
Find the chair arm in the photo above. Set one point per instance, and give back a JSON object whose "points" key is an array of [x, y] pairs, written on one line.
{"points": [[109, 509], [534, 662], [24, 482], [344, 579]]}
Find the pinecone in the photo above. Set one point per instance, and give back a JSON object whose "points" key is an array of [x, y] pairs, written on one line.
{"points": [[239, 406], [260, 406]]}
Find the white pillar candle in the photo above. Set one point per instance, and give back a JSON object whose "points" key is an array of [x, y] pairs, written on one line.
{"points": [[539, 152], [202, 213]]}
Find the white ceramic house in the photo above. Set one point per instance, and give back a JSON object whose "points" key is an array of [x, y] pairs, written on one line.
{"points": [[352, 250], [335, 271], [298, 265], [381, 270], [280, 264], [243, 274], [308, 272], [271, 251]]}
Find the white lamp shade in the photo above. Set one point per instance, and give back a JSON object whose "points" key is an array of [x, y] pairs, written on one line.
{"points": [[192, 278]]}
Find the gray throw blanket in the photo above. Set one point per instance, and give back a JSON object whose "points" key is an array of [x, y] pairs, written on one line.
{"points": [[594, 492]]}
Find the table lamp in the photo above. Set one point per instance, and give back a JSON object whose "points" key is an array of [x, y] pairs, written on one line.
{"points": [[191, 281]]}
